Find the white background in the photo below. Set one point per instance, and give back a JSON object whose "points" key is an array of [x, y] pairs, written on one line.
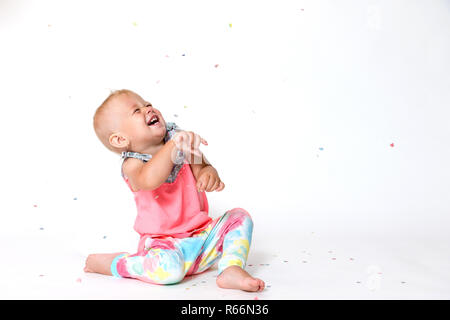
{"points": [[351, 77]]}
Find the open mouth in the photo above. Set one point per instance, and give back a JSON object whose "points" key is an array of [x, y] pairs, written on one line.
{"points": [[153, 120]]}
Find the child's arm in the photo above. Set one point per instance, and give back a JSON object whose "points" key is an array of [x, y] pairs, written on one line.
{"points": [[150, 175], [206, 176]]}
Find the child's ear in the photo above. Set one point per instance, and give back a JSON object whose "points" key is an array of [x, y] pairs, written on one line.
{"points": [[118, 140]]}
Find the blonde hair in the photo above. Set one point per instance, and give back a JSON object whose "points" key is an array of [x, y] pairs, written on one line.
{"points": [[103, 129]]}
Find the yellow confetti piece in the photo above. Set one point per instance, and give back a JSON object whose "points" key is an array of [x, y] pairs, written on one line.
{"points": [[135, 23], [230, 25]]}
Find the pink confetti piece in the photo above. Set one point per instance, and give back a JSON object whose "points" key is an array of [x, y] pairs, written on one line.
{"points": [[352, 259], [216, 65], [35, 205], [333, 258], [255, 298], [392, 144], [79, 280]]}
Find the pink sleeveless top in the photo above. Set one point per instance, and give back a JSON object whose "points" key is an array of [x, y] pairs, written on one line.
{"points": [[174, 209]]}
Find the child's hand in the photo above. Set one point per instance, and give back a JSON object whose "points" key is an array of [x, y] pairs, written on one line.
{"points": [[209, 180], [189, 142]]}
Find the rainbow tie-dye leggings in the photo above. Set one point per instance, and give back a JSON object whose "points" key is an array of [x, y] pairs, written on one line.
{"points": [[168, 260]]}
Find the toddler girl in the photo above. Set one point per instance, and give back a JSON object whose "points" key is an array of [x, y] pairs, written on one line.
{"points": [[168, 175]]}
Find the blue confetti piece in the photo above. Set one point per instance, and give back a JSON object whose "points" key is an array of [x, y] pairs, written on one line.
{"points": [[321, 149]]}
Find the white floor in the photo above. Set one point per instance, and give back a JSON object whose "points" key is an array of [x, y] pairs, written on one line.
{"points": [[300, 263]]}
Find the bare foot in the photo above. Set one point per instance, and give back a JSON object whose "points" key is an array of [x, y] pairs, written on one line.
{"points": [[234, 277], [100, 263]]}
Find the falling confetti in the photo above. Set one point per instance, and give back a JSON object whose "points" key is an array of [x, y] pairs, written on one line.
{"points": [[185, 107], [333, 258], [392, 144], [104, 237], [230, 25], [75, 198], [321, 149], [352, 259], [35, 205], [79, 280], [216, 65], [41, 228], [135, 23], [157, 81]]}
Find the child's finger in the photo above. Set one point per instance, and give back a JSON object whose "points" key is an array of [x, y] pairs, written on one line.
{"points": [[204, 183], [216, 185], [221, 186], [211, 183]]}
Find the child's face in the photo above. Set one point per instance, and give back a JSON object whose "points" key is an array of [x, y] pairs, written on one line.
{"points": [[139, 121]]}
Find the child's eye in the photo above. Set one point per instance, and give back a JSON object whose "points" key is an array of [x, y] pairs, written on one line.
{"points": [[136, 110]]}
